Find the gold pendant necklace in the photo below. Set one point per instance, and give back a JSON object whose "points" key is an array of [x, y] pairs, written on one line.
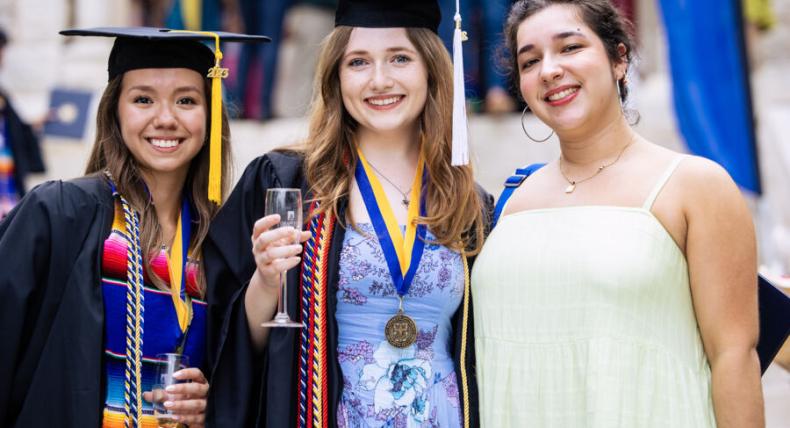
{"points": [[572, 183], [405, 200]]}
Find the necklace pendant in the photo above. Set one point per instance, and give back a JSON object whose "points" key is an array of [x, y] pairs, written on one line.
{"points": [[570, 188], [405, 202]]}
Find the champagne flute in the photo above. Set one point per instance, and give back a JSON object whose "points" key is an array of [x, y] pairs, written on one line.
{"points": [[167, 365], [288, 204]]}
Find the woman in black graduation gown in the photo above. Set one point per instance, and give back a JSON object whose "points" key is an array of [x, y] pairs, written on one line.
{"points": [[387, 336], [89, 293]]}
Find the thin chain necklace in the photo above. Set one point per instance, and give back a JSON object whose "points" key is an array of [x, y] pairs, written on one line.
{"points": [[405, 200], [572, 183]]}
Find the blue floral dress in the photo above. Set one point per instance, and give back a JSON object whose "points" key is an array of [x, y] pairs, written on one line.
{"points": [[384, 386]]}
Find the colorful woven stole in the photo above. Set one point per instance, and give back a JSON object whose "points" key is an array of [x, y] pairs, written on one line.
{"points": [[132, 395], [135, 305], [313, 396]]}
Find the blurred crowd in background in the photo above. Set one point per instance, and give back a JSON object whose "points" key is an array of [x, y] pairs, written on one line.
{"points": [[275, 82]]}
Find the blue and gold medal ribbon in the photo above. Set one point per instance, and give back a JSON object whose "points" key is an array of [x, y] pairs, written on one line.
{"points": [[402, 253], [176, 265]]}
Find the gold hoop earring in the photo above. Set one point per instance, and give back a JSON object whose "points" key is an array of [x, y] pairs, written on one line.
{"points": [[524, 127]]}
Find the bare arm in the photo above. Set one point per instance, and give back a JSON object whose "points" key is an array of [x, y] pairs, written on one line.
{"points": [[273, 255], [722, 257]]}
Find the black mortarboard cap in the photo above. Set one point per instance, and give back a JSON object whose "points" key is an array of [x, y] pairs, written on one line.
{"points": [[388, 13], [144, 47], [419, 14]]}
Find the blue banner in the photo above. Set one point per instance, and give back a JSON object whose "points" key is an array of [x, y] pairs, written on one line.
{"points": [[710, 81]]}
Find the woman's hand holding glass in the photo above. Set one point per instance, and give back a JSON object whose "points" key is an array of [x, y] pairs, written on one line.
{"points": [[274, 250], [179, 397]]}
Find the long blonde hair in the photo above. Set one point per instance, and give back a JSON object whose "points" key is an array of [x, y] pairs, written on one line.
{"points": [[110, 153], [454, 210]]}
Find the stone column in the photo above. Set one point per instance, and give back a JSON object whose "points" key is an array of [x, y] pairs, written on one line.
{"points": [[31, 62]]}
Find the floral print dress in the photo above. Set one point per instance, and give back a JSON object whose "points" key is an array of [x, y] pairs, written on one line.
{"points": [[384, 386]]}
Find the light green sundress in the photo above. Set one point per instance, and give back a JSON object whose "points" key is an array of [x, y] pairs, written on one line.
{"points": [[583, 318]]}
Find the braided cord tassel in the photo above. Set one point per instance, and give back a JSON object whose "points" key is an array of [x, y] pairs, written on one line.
{"points": [[139, 315], [314, 325], [134, 319], [464, 332], [306, 349], [313, 408], [304, 343], [321, 319]]}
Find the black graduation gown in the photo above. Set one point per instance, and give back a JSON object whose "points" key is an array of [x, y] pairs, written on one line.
{"points": [[23, 144], [51, 307], [250, 390]]}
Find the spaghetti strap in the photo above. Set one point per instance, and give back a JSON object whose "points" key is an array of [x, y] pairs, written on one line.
{"points": [[648, 205]]}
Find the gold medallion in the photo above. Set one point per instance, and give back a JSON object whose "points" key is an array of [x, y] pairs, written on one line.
{"points": [[401, 331]]}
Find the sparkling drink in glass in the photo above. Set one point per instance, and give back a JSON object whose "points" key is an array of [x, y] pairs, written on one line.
{"points": [[288, 204]]}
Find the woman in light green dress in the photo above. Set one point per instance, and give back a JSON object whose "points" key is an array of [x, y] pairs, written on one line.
{"points": [[618, 289]]}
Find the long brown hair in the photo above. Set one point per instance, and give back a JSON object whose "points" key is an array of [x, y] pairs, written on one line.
{"points": [[111, 154], [454, 209]]}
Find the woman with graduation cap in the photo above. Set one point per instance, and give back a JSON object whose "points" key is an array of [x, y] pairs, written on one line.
{"points": [[101, 274], [382, 284]]}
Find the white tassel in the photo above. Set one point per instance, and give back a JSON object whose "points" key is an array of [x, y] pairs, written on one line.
{"points": [[460, 129]]}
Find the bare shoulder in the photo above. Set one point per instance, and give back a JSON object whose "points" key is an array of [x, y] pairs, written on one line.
{"points": [[707, 188], [701, 177]]}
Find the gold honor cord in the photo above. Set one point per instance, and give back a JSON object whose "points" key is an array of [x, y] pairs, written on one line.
{"points": [[464, 332], [216, 74]]}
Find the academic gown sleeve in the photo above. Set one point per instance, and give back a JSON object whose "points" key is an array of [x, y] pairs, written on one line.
{"points": [[50, 309], [236, 369]]}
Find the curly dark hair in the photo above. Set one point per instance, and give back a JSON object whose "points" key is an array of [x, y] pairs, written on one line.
{"points": [[600, 15]]}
